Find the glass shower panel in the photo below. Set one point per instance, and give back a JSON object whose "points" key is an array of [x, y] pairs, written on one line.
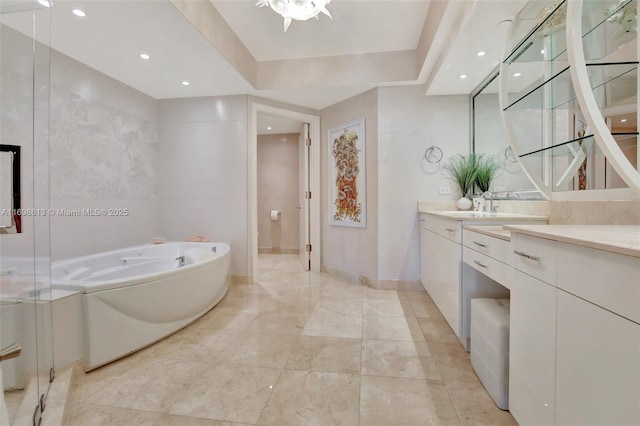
{"points": [[41, 225], [25, 297]]}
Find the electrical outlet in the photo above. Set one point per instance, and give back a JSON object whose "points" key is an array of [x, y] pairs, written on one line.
{"points": [[444, 190]]}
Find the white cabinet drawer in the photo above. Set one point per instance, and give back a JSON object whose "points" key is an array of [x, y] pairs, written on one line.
{"points": [[535, 257], [494, 269], [606, 279], [450, 229], [491, 246]]}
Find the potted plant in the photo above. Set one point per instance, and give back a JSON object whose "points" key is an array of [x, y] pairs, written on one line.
{"points": [[462, 169], [486, 170]]}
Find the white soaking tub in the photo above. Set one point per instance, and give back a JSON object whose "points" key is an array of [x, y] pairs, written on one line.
{"points": [[136, 296]]}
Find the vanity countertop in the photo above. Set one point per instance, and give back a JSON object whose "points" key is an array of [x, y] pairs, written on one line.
{"points": [[622, 239], [495, 231], [483, 216]]}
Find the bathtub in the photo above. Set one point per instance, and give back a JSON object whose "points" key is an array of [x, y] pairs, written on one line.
{"points": [[136, 296]]}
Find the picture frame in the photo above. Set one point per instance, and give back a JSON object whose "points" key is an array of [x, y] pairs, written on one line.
{"points": [[347, 175]]}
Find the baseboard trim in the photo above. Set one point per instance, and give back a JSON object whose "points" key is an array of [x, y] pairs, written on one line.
{"points": [[397, 285], [240, 279], [268, 250]]}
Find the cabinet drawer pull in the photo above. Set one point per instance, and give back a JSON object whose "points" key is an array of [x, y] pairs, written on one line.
{"points": [[528, 256], [480, 244], [480, 264], [450, 229]]}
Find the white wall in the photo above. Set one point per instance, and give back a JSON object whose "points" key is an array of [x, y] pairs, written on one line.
{"points": [[16, 128], [352, 250], [103, 156], [410, 122], [203, 171], [278, 189]]}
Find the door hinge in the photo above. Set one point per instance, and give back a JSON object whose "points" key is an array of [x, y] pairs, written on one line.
{"points": [[307, 141], [307, 195], [308, 248]]}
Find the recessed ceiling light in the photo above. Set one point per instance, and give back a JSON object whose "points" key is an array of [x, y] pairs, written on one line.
{"points": [[517, 74], [542, 52], [624, 120], [185, 83], [79, 12], [481, 53], [44, 3], [145, 56], [463, 76], [446, 67], [268, 127]]}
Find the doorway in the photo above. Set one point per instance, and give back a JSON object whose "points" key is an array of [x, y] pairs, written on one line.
{"points": [[283, 222], [308, 193]]}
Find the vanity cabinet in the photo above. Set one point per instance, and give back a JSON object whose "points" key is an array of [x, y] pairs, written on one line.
{"points": [[597, 366], [488, 255], [598, 342], [532, 345], [575, 328], [440, 265], [450, 281]]}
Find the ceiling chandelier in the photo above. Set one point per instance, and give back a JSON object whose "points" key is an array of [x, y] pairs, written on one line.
{"points": [[300, 10]]}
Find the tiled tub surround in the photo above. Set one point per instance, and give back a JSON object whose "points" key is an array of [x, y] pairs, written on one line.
{"points": [[299, 348]]}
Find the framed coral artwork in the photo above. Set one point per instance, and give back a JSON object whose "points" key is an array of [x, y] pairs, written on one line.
{"points": [[347, 181]]}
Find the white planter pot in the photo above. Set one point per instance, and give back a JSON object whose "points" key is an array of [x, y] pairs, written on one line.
{"points": [[464, 203]]}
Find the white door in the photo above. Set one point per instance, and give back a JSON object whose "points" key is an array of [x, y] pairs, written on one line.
{"points": [[304, 199]]}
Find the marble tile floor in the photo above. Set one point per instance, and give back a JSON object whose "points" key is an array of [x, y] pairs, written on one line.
{"points": [[300, 348]]}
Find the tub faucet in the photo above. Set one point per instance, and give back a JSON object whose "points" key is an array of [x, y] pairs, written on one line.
{"points": [[180, 259]]}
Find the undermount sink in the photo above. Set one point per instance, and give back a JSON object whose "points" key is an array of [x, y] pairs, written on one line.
{"points": [[473, 214], [457, 214], [462, 213]]}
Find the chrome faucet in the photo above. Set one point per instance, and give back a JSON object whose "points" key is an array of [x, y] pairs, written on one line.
{"points": [[180, 259], [492, 208]]}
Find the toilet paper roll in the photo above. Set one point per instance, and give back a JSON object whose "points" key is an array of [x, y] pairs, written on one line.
{"points": [[275, 214]]}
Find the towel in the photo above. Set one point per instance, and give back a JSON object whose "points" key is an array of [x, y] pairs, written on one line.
{"points": [[6, 189], [197, 239]]}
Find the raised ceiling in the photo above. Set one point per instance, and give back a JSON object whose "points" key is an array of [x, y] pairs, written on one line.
{"points": [[481, 33], [314, 64], [357, 27]]}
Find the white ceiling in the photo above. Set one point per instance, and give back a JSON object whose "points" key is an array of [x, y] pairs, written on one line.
{"points": [[114, 33], [362, 26], [271, 125], [480, 33]]}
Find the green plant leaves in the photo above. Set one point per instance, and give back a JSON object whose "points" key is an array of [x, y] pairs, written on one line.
{"points": [[469, 170]]}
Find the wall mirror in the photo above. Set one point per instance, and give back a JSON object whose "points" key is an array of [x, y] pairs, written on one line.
{"points": [[569, 96], [490, 138], [10, 189]]}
